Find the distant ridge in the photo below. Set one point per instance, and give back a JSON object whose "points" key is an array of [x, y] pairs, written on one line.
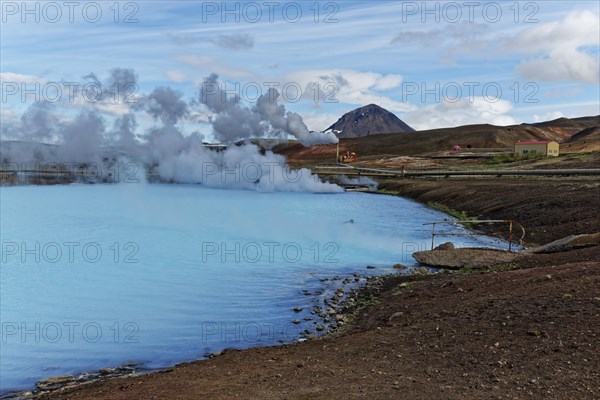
{"points": [[575, 135], [369, 120]]}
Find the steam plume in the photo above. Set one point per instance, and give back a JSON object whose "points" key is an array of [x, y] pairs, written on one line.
{"points": [[164, 150], [234, 121]]}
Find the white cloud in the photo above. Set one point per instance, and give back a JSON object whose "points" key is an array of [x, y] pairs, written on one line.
{"points": [[579, 28], [558, 49], [562, 65], [229, 41], [454, 38], [561, 50], [387, 82], [349, 87], [176, 76], [464, 112], [114, 109], [234, 41], [210, 64], [317, 121], [549, 116], [8, 115], [13, 77], [558, 91]]}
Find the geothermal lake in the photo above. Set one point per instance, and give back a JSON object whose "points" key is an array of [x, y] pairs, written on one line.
{"points": [[97, 276]]}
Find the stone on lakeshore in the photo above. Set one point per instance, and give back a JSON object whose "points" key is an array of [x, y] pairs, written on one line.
{"points": [[568, 243], [421, 270], [106, 371], [54, 382], [464, 257], [445, 246]]}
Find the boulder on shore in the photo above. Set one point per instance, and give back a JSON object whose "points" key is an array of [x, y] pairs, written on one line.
{"points": [[464, 257], [445, 246], [568, 243], [54, 382]]}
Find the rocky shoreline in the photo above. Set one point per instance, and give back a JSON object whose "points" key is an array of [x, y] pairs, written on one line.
{"points": [[329, 316], [62, 382]]}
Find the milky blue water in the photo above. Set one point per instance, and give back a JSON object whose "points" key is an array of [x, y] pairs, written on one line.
{"points": [[96, 276]]}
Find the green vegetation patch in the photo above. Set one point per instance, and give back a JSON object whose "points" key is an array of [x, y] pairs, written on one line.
{"points": [[461, 216], [510, 158]]}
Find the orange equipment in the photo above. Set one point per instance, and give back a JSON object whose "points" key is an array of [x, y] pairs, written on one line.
{"points": [[347, 157]]}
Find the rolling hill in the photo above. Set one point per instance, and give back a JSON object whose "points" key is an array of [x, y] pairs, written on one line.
{"points": [[434, 141]]}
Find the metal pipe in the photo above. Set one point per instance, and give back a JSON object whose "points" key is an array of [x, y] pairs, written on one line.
{"points": [[549, 172], [482, 221]]}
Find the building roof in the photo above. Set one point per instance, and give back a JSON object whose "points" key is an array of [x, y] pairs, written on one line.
{"points": [[534, 141]]}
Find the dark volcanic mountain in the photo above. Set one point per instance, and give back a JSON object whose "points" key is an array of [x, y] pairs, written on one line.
{"points": [[369, 120]]}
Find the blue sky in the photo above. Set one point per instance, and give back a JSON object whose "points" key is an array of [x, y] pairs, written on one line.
{"points": [[527, 62]]}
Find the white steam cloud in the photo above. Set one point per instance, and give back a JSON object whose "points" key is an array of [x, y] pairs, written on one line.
{"points": [[234, 121], [43, 135]]}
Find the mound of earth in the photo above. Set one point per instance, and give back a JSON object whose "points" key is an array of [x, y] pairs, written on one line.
{"points": [[585, 140]]}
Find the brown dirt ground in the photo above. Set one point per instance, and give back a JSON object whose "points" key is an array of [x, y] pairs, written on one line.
{"points": [[530, 329]]}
